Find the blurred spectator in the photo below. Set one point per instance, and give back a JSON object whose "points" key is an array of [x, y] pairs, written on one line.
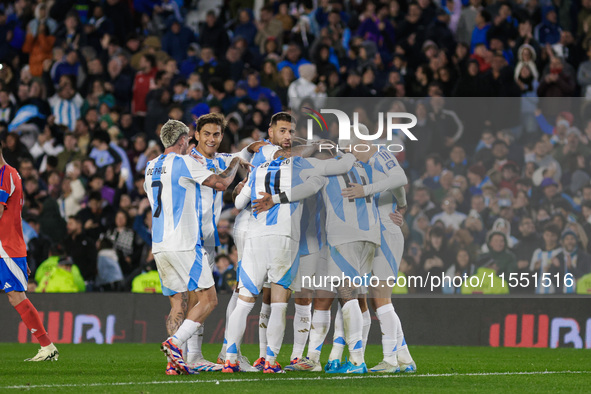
{"points": [[109, 276], [148, 281], [39, 45], [571, 261], [126, 243], [81, 249], [225, 275], [66, 104], [59, 274]]}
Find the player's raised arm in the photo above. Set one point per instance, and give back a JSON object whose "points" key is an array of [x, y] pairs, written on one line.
{"points": [[222, 181]]}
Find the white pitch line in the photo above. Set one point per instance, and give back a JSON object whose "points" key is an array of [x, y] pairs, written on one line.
{"points": [[318, 378]]}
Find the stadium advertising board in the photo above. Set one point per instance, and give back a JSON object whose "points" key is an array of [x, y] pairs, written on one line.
{"points": [[554, 322]]}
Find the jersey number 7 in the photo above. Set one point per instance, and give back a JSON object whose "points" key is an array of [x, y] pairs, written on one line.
{"points": [[158, 209]]}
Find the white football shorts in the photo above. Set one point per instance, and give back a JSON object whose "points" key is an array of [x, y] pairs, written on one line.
{"points": [[187, 270], [388, 255], [272, 258], [351, 260]]}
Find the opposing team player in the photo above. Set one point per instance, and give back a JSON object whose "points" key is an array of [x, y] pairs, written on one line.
{"points": [[388, 189], [184, 268], [14, 270]]}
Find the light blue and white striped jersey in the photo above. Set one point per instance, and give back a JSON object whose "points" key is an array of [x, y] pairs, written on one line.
{"points": [[347, 219], [384, 165], [66, 112], [273, 177], [170, 185], [264, 154], [209, 218], [313, 220]]}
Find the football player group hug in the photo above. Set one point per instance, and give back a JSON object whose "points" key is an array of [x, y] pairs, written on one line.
{"points": [[316, 221]]}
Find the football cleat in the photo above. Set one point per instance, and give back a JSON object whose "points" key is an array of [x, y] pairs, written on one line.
{"points": [[230, 368], [385, 367], [170, 369], [332, 366], [245, 365], [349, 367], [408, 368], [304, 364], [275, 368], [175, 356], [292, 362], [46, 353], [205, 366], [259, 364]]}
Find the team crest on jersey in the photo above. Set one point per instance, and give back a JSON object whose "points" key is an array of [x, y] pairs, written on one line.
{"points": [[391, 164]]}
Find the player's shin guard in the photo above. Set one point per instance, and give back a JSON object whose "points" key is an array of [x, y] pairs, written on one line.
{"points": [[318, 331], [30, 317], [263, 323], [185, 331], [353, 326], [402, 352], [301, 329], [388, 325], [276, 331], [236, 328], [229, 309], [194, 343], [338, 342], [366, 327]]}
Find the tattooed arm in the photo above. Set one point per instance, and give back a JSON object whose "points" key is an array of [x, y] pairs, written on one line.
{"points": [[221, 181]]}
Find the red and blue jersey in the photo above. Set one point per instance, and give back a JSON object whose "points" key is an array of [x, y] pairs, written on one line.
{"points": [[12, 243]]}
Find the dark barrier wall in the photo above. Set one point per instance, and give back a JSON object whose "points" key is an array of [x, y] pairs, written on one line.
{"points": [[480, 321]]}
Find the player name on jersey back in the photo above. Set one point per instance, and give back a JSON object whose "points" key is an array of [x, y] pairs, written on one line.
{"points": [[170, 185]]}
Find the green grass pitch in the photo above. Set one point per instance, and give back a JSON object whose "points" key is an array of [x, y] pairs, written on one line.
{"points": [[139, 368]]}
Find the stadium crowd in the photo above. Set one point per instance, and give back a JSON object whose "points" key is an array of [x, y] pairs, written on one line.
{"points": [[85, 86]]}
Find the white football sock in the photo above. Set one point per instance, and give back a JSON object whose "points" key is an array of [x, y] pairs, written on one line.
{"points": [[388, 326], [185, 331], [402, 352], [276, 331], [194, 346], [338, 341], [236, 328], [353, 326], [366, 326], [301, 329], [318, 331], [229, 309], [263, 324]]}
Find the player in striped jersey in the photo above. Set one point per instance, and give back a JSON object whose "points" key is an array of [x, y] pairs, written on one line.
{"points": [[313, 255], [270, 254], [388, 190], [279, 225], [209, 132], [183, 267], [353, 231], [280, 132]]}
